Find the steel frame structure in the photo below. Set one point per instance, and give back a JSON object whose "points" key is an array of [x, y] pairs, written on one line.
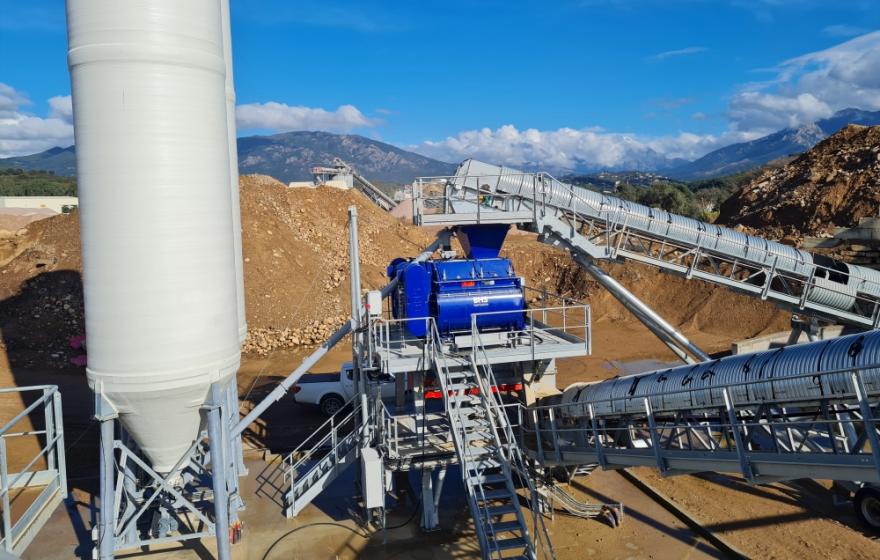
{"points": [[46, 471], [198, 498], [836, 438], [565, 218]]}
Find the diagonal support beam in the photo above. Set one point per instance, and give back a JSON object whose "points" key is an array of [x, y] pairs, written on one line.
{"points": [[672, 337]]}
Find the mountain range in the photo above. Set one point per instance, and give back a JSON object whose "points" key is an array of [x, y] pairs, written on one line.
{"points": [[743, 156], [289, 156]]}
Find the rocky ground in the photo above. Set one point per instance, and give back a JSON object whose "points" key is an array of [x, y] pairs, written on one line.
{"points": [[296, 252], [832, 185]]}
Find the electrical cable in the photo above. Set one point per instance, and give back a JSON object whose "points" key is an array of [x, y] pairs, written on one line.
{"points": [[316, 524], [408, 519]]}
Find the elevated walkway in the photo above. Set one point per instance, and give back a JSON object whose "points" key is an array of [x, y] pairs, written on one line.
{"points": [[598, 227], [832, 437]]}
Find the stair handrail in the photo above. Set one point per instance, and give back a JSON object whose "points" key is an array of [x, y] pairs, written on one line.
{"points": [[618, 217], [495, 409], [482, 507], [351, 408]]}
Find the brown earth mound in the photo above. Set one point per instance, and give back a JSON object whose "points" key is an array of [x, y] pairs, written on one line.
{"points": [[295, 244], [834, 184]]}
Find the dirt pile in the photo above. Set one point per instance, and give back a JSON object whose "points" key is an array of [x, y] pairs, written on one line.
{"points": [[41, 305], [689, 304], [834, 184], [295, 244]]}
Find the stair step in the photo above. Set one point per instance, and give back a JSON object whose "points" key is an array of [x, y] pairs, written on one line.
{"points": [[460, 386], [508, 544], [470, 423], [479, 451], [478, 435], [506, 527], [496, 494], [493, 478], [498, 511]]}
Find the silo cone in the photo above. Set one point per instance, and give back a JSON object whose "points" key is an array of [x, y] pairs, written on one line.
{"points": [[149, 99]]}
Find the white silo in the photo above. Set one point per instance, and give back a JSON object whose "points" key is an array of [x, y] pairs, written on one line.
{"points": [[150, 109], [232, 145]]}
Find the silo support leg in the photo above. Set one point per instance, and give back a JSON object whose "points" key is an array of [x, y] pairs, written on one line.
{"points": [[430, 519], [106, 526], [218, 473]]}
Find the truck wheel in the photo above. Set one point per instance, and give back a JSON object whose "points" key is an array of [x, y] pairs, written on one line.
{"points": [[867, 506], [331, 404]]}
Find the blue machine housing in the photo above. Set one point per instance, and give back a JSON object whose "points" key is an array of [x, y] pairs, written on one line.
{"points": [[451, 291]]}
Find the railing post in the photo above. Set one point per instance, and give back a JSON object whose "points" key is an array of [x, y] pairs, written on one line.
{"points": [[8, 537], [532, 333], [655, 439], [737, 437], [333, 439], [555, 433], [869, 422], [600, 449], [59, 431], [538, 443], [49, 416], [807, 286], [772, 274]]}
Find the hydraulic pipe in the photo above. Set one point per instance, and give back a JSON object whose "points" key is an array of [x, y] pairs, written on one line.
{"points": [[644, 313]]}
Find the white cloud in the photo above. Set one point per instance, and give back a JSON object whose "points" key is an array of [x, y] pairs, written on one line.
{"points": [[812, 86], [61, 107], [843, 30], [280, 116], [567, 149], [677, 52], [803, 90], [752, 110], [24, 133]]}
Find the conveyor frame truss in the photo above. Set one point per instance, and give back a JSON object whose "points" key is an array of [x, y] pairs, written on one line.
{"points": [[608, 234], [834, 437]]}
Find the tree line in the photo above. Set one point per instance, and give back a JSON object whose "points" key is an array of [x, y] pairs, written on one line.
{"points": [[20, 182]]}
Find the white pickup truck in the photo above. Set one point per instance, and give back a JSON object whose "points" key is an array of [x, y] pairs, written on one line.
{"points": [[330, 391]]}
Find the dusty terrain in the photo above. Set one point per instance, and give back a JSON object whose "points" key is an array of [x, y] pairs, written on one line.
{"points": [[833, 184], [295, 245]]}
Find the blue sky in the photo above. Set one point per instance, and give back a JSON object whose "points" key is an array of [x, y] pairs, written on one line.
{"points": [[553, 83]]}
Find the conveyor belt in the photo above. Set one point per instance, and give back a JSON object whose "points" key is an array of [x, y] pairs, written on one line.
{"points": [[596, 226], [803, 411]]}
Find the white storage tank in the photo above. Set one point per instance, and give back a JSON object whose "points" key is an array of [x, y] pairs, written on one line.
{"points": [[232, 148], [150, 109]]}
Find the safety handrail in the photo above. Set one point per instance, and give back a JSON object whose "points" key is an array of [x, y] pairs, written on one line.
{"points": [[619, 216], [302, 454], [18, 533], [495, 410]]}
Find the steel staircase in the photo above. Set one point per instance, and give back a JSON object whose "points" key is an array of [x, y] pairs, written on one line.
{"points": [[322, 457], [489, 458]]}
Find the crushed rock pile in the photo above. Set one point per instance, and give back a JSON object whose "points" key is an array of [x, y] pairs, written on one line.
{"points": [[834, 184], [295, 244]]}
